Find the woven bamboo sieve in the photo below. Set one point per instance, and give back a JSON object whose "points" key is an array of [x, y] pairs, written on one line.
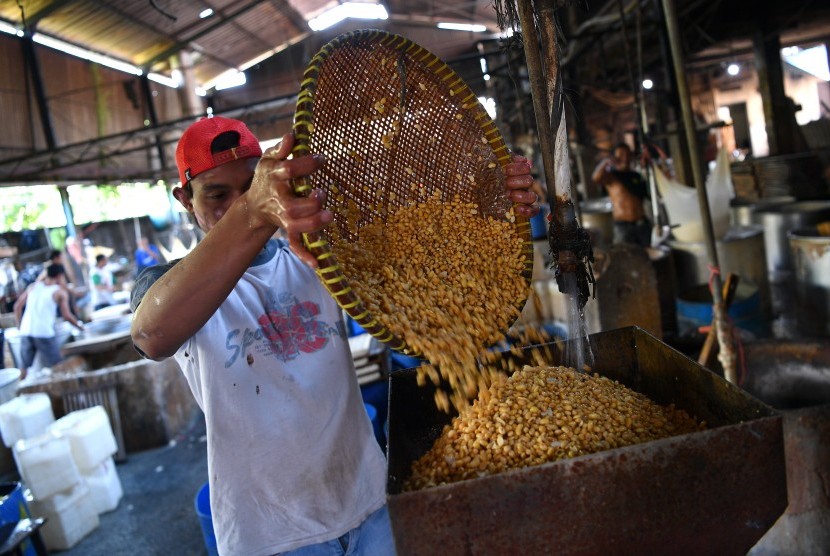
{"points": [[396, 124]]}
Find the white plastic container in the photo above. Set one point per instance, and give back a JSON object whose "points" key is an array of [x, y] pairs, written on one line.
{"points": [[46, 465], [70, 516], [90, 436], [9, 381], [25, 416], [104, 486]]}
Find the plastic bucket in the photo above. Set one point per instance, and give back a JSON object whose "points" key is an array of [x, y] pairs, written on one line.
{"points": [[13, 508], [401, 361], [377, 425], [9, 381], [694, 309], [352, 328], [377, 395], [539, 223], [202, 505]]}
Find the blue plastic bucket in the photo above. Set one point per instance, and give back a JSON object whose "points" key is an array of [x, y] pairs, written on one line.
{"points": [[694, 309], [13, 508], [539, 223], [377, 424], [352, 328], [401, 361], [376, 394], [202, 504]]}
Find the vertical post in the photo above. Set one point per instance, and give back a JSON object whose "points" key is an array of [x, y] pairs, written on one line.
{"points": [[30, 59], [778, 114], [151, 113], [725, 354], [67, 210]]}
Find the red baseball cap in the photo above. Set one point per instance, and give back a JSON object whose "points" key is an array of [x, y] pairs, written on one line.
{"points": [[193, 154]]}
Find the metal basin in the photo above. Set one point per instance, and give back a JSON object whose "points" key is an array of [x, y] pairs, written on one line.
{"points": [[711, 492], [789, 374], [777, 220]]}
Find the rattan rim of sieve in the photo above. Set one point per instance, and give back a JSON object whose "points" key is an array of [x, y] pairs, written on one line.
{"points": [[329, 270]]}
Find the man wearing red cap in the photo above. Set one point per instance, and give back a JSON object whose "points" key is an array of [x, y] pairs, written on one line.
{"points": [[294, 465]]}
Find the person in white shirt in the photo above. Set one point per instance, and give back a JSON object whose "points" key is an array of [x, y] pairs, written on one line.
{"points": [[36, 313]]}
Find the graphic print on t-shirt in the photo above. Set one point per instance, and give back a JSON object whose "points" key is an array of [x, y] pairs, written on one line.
{"points": [[291, 328]]}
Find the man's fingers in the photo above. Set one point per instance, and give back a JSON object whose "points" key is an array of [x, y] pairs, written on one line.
{"points": [[517, 168], [281, 150], [523, 196], [523, 181], [285, 170], [528, 211]]}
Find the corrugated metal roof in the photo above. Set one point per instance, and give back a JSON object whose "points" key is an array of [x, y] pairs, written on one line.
{"points": [[146, 33], [151, 33]]}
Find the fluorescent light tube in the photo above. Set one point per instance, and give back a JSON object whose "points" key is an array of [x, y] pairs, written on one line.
{"points": [[463, 27], [230, 78], [86, 54], [354, 10], [10, 29]]}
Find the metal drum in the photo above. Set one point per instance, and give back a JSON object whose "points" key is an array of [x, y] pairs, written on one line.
{"points": [[596, 217], [742, 213], [711, 492], [741, 251], [811, 260], [778, 220]]}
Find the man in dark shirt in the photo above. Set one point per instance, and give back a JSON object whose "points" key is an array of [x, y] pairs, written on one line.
{"points": [[627, 190]]}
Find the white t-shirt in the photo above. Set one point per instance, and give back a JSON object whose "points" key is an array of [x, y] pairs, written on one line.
{"points": [[38, 320], [291, 453], [101, 276]]}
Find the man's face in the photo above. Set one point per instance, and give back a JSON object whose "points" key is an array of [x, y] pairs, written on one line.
{"points": [[215, 190], [622, 157]]}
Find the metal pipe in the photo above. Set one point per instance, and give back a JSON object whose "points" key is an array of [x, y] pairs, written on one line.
{"points": [[725, 355], [570, 244], [657, 227], [539, 95]]}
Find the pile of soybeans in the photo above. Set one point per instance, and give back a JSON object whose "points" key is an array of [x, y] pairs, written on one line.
{"points": [[543, 414]]}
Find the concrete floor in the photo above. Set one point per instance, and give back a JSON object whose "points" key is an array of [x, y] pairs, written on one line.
{"points": [[156, 515]]}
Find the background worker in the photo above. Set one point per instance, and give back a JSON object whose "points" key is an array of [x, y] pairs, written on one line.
{"points": [[65, 280], [628, 190], [294, 467], [146, 255], [36, 314], [102, 283]]}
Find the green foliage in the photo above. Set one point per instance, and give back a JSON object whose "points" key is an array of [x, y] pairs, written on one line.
{"points": [[31, 207], [57, 238], [39, 206]]}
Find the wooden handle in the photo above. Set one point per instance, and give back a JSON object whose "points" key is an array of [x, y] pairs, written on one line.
{"points": [[729, 288]]}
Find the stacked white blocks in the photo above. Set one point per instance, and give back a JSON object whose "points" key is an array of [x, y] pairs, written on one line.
{"points": [[25, 416], [92, 444], [71, 475]]}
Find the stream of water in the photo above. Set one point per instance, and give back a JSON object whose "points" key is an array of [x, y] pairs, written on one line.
{"points": [[578, 353]]}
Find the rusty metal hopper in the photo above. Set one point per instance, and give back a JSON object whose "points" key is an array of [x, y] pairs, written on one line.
{"points": [[711, 492]]}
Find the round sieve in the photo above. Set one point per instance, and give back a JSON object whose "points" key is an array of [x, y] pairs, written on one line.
{"points": [[396, 125]]}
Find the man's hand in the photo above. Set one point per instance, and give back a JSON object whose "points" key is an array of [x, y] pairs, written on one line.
{"points": [[271, 197], [518, 183]]}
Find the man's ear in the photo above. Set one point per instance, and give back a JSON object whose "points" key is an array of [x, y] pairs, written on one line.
{"points": [[182, 197]]}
